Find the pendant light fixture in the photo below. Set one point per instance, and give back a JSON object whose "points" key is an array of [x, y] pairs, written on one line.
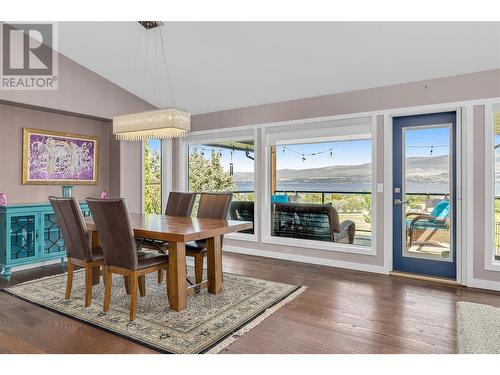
{"points": [[157, 124]]}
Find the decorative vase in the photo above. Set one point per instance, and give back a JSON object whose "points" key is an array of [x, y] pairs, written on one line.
{"points": [[67, 191], [104, 195], [3, 199]]}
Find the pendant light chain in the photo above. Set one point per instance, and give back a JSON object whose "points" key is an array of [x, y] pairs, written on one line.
{"points": [[169, 83]]}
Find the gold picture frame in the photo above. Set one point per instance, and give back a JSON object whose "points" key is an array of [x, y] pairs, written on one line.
{"points": [[52, 146]]}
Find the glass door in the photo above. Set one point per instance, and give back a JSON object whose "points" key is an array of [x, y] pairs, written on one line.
{"points": [[424, 194], [23, 238], [53, 242]]}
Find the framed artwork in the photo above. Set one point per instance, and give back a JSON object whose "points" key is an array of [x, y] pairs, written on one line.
{"points": [[55, 158]]}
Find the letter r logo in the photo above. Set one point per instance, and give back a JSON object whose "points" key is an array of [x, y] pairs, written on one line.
{"points": [[27, 49]]}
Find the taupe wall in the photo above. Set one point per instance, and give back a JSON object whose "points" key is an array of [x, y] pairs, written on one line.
{"points": [[13, 120], [131, 174], [80, 91]]}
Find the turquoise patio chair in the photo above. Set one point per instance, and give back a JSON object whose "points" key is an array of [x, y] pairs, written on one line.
{"points": [[436, 224]]}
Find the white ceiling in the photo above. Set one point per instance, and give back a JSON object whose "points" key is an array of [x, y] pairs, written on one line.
{"points": [[222, 65]]}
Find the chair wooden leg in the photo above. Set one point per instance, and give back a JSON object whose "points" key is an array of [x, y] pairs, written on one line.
{"points": [[142, 285], [69, 280], [198, 268], [103, 273], [133, 294], [160, 276], [126, 281], [88, 285], [96, 275], [107, 290]]}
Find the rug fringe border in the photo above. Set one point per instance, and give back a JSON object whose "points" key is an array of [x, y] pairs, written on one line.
{"points": [[254, 323]]}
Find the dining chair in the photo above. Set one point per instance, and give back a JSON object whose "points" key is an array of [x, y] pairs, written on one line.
{"points": [[178, 204], [120, 249], [70, 220], [211, 206]]}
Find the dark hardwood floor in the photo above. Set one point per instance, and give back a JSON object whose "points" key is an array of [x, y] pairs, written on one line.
{"points": [[342, 311]]}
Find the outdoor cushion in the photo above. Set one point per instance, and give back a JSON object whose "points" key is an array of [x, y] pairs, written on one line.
{"points": [[442, 209], [279, 198]]}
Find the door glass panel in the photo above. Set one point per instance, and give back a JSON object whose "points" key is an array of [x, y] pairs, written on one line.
{"points": [[53, 242], [22, 237], [427, 209]]}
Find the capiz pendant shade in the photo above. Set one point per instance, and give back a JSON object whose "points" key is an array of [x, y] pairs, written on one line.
{"points": [[158, 124]]}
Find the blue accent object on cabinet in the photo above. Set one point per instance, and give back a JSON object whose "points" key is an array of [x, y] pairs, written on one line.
{"points": [[29, 235]]}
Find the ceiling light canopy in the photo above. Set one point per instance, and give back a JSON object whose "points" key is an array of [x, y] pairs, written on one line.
{"points": [[157, 124]]}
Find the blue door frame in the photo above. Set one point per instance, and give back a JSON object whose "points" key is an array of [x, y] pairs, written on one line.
{"points": [[403, 263]]}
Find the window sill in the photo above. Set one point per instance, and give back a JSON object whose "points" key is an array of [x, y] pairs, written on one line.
{"points": [[320, 245], [242, 237], [492, 266]]}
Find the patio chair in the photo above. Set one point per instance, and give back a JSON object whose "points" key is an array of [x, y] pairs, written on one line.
{"points": [[435, 225], [242, 211], [318, 222]]}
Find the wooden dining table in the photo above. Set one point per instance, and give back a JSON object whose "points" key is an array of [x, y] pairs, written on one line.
{"points": [[177, 231]]}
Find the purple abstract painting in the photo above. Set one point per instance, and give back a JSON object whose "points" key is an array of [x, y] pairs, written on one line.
{"points": [[53, 158]]}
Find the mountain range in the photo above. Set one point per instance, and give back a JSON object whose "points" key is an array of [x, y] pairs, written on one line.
{"points": [[428, 169]]}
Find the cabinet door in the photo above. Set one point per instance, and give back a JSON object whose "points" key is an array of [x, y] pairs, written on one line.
{"points": [[52, 245], [85, 212], [22, 238]]}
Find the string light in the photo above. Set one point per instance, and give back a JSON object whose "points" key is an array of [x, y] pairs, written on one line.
{"points": [[303, 154], [430, 147]]}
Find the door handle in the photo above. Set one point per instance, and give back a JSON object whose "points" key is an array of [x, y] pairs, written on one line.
{"points": [[399, 202]]}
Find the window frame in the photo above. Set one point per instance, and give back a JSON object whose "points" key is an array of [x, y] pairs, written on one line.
{"points": [[267, 237], [224, 135], [166, 173], [490, 263]]}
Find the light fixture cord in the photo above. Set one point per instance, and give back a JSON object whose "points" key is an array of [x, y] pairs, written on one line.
{"points": [[169, 83], [157, 65]]}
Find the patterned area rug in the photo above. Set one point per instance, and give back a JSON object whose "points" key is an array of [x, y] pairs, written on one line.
{"points": [[209, 324], [478, 328]]}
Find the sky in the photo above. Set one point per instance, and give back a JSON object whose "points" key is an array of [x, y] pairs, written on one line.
{"points": [[426, 138], [344, 153], [154, 144]]}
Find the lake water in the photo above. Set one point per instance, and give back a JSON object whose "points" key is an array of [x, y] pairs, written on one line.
{"points": [[346, 187]]}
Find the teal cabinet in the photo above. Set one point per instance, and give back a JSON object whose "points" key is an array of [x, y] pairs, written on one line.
{"points": [[29, 234]]}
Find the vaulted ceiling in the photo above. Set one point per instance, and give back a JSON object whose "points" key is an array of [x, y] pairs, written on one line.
{"points": [[221, 65]]}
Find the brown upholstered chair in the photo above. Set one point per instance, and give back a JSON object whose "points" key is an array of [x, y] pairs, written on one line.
{"points": [[211, 206], [69, 218], [120, 249], [178, 204]]}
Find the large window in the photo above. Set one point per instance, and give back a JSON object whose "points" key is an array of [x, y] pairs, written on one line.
{"points": [[496, 182], [322, 191], [152, 177], [226, 166]]}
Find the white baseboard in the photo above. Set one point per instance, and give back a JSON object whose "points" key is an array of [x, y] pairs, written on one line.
{"points": [[484, 284], [307, 259]]}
